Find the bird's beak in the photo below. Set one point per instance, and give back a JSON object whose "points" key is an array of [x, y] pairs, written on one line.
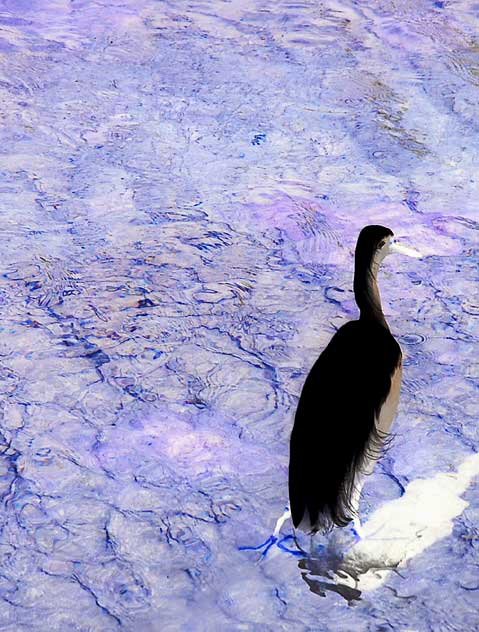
{"points": [[394, 246]]}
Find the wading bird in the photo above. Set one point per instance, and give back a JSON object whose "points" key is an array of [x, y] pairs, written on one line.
{"points": [[347, 403], [346, 407]]}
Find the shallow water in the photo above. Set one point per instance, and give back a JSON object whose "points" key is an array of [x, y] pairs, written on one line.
{"points": [[182, 184]]}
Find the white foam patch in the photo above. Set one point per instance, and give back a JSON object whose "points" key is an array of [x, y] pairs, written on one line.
{"points": [[406, 527]]}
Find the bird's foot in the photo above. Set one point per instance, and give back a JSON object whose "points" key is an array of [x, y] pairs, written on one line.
{"points": [[288, 538], [271, 541], [357, 528], [275, 540]]}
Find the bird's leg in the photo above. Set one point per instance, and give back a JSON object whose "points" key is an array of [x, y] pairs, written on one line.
{"points": [[281, 543], [281, 520], [357, 527]]}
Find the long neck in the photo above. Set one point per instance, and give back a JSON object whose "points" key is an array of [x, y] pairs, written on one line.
{"points": [[366, 290]]}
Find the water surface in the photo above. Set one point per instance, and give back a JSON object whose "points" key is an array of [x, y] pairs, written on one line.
{"points": [[182, 184]]}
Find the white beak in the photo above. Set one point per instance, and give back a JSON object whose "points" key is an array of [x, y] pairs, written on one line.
{"points": [[394, 246]]}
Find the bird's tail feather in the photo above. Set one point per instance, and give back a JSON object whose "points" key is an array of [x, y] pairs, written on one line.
{"points": [[322, 481]]}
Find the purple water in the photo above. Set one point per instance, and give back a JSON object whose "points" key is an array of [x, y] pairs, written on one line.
{"points": [[181, 188]]}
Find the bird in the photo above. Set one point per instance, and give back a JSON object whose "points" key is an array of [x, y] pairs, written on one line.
{"points": [[347, 403]]}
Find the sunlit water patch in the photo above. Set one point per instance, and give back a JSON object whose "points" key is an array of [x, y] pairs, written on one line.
{"points": [[182, 185]]}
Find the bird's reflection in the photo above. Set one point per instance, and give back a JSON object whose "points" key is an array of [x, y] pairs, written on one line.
{"points": [[329, 566], [320, 587], [397, 532]]}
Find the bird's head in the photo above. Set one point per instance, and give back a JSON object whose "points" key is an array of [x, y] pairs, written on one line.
{"points": [[375, 242]]}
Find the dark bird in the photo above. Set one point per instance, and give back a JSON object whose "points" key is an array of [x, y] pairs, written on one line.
{"points": [[347, 404]]}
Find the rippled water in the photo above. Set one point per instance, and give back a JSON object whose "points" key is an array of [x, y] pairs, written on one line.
{"points": [[182, 184]]}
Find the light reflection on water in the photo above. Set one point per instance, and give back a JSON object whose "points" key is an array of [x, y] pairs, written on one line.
{"points": [[182, 185]]}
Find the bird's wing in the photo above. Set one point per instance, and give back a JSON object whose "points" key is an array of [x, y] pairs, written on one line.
{"points": [[334, 433]]}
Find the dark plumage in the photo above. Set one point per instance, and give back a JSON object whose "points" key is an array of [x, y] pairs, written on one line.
{"points": [[347, 404]]}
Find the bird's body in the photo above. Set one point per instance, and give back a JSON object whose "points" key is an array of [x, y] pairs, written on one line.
{"points": [[347, 404]]}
